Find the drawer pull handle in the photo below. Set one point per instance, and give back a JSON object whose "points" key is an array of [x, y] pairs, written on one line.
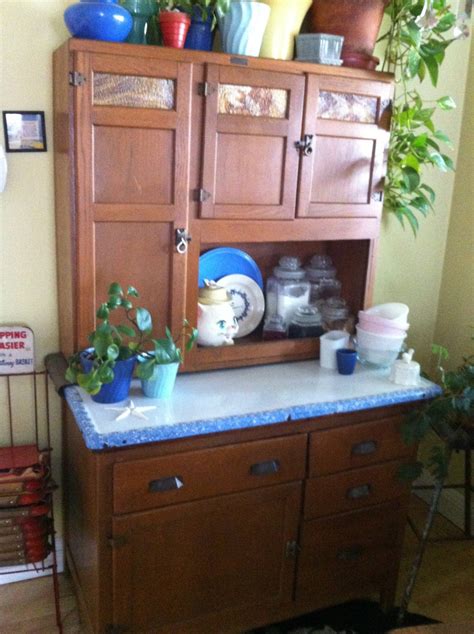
{"points": [[166, 484], [364, 448], [362, 491], [350, 554], [264, 468]]}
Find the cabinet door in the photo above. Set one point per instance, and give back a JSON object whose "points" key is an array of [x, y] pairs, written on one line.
{"points": [[132, 163], [199, 560], [252, 121], [346, 556], [348, 123]]}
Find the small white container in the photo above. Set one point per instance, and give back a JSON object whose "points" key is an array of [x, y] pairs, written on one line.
{"points": [[329, 343], [405, 371]]}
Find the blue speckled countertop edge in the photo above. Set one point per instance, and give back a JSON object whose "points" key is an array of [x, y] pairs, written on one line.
{"points": [[148, 434]]}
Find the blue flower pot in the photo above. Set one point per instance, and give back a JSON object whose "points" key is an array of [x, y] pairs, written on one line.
{"points": [[200, 36], [119, 388], [162, 382], [98, 20]]}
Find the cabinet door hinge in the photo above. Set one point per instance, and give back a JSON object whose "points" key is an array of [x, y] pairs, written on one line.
{"points": [[201, 195], [76, 79], [117, 542], [205, 89], [292, 549]]}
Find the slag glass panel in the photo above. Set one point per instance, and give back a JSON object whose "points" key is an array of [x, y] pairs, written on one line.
{"points": [[347, 107], [252, 101], [132, 91]]}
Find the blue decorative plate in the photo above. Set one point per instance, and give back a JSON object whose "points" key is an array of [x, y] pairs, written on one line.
{"points": [[217, 263]]}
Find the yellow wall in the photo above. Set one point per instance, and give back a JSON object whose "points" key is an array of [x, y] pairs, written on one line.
{"points": [[455, 322], [410, 269]]}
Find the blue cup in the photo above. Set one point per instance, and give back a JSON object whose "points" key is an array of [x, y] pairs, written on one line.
{"points": [[346, 360]]}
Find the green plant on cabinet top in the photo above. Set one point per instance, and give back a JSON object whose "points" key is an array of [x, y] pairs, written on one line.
{"points": [[111, 343], [416, 43], [166, 350]]}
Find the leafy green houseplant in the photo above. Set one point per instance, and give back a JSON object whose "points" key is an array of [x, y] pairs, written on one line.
{"points": [[450, 415], [113, 347], [157, 368], [416, 43], [210, 8]]}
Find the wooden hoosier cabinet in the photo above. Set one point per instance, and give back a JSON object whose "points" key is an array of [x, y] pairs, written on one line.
{"points": [[161, 155]]}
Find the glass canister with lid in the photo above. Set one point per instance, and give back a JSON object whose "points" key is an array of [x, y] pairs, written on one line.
{"points": [[306, 322], [322, 277], [287, 289], [336, 315]]}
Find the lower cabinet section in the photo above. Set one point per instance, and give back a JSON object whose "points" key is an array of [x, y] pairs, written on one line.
{"points": [[188, 561], [256, 527]]}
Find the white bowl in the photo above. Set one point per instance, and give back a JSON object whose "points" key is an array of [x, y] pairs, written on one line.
{"points": [[396, 312], [380, 325], [376, 358], [375, 341]]}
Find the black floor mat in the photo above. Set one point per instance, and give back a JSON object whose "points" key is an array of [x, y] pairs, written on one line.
{"points": [[354, 617]]}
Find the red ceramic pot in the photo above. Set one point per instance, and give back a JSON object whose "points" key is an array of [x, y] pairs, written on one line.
{"points": [[360, 60], [358, 21], [174, 27]]}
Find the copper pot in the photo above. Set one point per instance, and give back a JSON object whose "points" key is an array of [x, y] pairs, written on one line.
{"points": [[357, 20]]}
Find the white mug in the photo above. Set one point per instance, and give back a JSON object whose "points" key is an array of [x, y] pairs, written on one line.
{"points": [[329, 343]]}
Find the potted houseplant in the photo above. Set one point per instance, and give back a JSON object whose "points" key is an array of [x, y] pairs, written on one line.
{"points": [[203, 23], [242, 27], [450, 415], [105, 369], [157, 368], [174, 21], [416, 40]]}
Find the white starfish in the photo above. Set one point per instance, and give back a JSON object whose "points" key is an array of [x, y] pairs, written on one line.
{"points": [[131, 410]]}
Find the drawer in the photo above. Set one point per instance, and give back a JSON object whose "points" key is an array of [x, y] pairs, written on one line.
{"points": [[345, 556], [154, 482], [351, 490], [345, 448]]}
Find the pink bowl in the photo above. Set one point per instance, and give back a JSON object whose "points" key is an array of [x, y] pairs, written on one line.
{"points": [[381, 325]]}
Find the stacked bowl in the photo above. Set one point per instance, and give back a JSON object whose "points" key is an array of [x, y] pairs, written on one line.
{"points": [[381, 332]]}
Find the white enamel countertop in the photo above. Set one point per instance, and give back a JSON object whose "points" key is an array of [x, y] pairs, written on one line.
{"points": [[222, 400]]}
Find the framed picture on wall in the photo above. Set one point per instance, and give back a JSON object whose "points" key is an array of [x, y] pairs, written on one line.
{"points": [[25, 131]]}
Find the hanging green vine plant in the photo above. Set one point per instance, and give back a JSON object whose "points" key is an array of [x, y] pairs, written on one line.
{"points": [[415, 49]]}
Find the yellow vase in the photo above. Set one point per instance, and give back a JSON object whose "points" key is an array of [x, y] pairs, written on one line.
{"points": [[284, 24]]}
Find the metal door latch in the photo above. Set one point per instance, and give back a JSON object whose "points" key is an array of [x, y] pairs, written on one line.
{"points": [[305, 145], [182, 238]]}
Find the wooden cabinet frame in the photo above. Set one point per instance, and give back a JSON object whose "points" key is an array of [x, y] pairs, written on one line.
{"points": [[104, 219]]}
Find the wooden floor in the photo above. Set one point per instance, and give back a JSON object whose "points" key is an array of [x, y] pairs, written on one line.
{"points": [[444, 589]]}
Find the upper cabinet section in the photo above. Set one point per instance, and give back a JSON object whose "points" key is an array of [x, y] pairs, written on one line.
{"points": [[347, 125], [137, 144], [250, 163]]}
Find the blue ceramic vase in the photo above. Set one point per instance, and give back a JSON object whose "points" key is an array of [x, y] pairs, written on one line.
{"points": [[119, 388], [200, 35], [161, 383], [243, 26], [98, 20]]}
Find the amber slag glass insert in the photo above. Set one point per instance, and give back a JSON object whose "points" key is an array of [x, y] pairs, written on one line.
{"points": [[342, 106], [132, 91], [253, 101]]}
